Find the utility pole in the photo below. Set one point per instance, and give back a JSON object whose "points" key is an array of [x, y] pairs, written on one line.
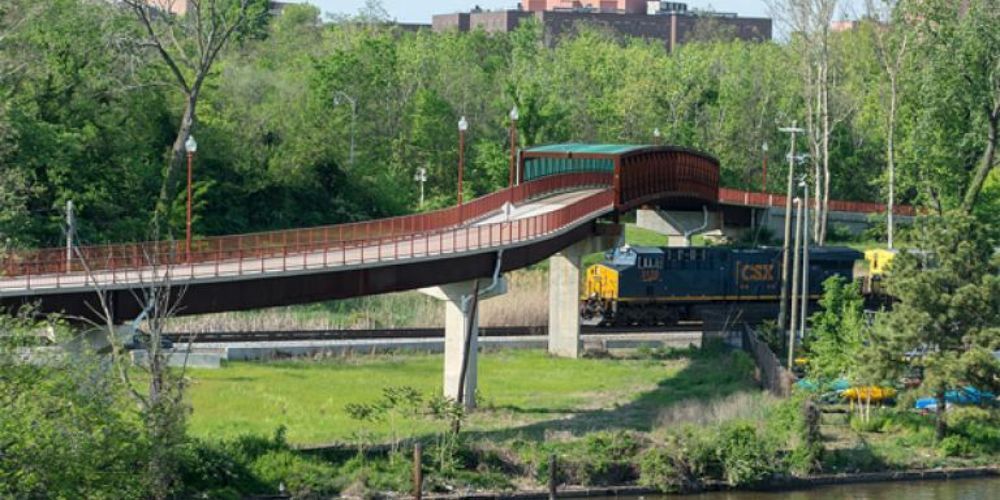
{"points": [[783, 308], [805, 257], [421, 177], [70, 230], [795, 283]]}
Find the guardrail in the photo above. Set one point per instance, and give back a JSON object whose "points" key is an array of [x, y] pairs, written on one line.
{"points": [[737, 197], [265, 245]]}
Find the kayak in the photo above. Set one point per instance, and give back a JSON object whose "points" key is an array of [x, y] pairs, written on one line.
{"points": [[861, 394]]}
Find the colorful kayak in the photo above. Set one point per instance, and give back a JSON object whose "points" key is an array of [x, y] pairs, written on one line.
{"points": [[862, 394]]}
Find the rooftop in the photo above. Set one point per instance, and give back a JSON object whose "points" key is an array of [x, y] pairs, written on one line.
{"points": [[581, 148]]}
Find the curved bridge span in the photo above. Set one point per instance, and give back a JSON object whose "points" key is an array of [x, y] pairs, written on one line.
{"points": [[563, 193]]}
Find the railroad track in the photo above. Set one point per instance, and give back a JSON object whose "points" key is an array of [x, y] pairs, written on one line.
{"points": [[405, 333]]}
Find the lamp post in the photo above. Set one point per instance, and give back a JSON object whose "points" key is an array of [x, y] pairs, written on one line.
{"points": [[337, 96], [191, 146], [463, 125], [514, 115], [764, 175], [805, 256], [656, 135], [421, 177]]}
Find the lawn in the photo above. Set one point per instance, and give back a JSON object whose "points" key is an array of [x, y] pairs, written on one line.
{"points": [[525, 392]]}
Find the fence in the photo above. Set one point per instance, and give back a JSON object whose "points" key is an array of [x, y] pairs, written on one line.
{"points": [[773, 376], [737, 197]]}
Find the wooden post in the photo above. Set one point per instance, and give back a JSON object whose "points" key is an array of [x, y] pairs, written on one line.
{"points": [[552, 476], [418, 472]]}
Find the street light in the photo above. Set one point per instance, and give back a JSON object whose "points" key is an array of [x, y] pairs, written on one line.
{"points": [[337, 96], [463, 125], [805, 252], [514, 115], [421, 177], [657, 135], [191, 146], [764, 180]]}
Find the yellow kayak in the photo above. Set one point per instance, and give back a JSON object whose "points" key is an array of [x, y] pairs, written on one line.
{"points": [[862, 393]]}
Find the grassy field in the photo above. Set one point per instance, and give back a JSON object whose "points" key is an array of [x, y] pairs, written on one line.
{"points": [[521, 393]]}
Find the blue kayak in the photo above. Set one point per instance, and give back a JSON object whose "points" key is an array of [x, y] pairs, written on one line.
{"points": [[964, 396]]}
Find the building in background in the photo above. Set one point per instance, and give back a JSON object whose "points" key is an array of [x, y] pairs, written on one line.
{"points": [[180, 7], [668, 22]]}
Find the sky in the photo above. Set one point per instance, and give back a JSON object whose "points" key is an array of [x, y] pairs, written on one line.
{"points": [[420, 11]]}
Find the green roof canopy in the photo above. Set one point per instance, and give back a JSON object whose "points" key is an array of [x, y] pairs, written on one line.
{"points": [[579, 148]]}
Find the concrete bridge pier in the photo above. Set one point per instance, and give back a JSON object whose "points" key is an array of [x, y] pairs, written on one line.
{"points": [[564, 294], [459, 321]]}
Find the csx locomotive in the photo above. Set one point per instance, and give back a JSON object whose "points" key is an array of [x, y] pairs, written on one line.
{"points": [[660, 286]]}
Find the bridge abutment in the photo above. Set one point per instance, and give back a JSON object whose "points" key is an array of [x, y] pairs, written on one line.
{"points": [[461, 335]]}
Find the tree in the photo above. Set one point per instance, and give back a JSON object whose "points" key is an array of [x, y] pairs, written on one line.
{"points": [[892, 36], [954, 102], [809, 23], [162, 411], [946, 318], [189, 46], [837, 335]]}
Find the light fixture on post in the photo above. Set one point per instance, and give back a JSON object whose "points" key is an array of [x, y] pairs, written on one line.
{"points": [[191, 146], [764, 148], [421, 177], [514, 115], [463, 126], [657, 135]]}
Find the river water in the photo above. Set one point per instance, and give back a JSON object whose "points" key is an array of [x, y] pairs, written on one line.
{"points": [[959, 489]]}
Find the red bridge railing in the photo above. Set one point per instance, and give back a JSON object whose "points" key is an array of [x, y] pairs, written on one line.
{"points": [[747, 198], [281, 244]]}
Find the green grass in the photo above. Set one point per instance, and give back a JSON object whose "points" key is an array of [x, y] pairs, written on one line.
{"points": [[524, 392]]}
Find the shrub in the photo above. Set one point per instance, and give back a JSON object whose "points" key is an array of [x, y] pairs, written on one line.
{"points": [[746, 457], [956, 446], [600, 458], [672, 467]]}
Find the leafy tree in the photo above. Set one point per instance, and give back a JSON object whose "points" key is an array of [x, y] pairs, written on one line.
{"points": [[837, 336], [946, 317], [65, 430], [953, 102]]}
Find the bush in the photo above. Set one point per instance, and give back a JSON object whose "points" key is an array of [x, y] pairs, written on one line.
{"points": [[600, 458], [674, 467], [746, 457], [978, 427]]}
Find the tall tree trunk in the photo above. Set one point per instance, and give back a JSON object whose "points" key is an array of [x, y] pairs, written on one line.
{"points": [[986, 164], [824, 210], [941, 426], [168, 189], [891, 153]]}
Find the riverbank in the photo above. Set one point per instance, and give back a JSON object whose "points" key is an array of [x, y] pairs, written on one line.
{"points": [[641, 422], [800, 484]]}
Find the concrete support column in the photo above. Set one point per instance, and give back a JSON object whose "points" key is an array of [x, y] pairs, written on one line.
{"points": [[564, 295], [459, 322], [564, 302]]}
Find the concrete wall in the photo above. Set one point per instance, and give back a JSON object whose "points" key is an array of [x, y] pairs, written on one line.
{"points": [[447, 22]]}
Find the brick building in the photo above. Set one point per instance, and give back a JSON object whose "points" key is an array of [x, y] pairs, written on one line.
{"points": [[668, 22]]}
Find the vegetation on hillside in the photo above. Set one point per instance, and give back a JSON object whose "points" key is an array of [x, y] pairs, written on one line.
{"points": [[86, 114]]}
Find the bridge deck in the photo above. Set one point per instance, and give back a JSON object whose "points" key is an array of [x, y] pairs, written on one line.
{"points": [[528, 221]]}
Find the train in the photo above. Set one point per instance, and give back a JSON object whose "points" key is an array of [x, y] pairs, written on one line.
{"points": [[649, 286]]}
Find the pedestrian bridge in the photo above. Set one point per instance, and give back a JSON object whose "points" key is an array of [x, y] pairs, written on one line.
{"points": [[566, 203], [563, 192]]}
